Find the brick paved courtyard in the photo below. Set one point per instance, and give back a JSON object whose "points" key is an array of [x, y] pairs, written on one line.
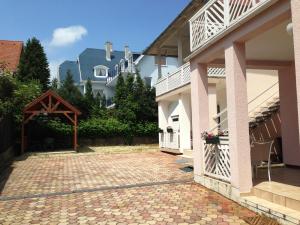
{"points": [[135, 188]]}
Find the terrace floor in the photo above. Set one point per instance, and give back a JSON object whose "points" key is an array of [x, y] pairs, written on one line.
{"points": [[97, 188]]}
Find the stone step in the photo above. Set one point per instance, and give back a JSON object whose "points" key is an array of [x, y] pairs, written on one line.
{"points": [[279, 193], [281, 213], [188, 152]]}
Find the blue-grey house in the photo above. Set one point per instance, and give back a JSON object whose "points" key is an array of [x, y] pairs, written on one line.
{"points": [[102, 67]]}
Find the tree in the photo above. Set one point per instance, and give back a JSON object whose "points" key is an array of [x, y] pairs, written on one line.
{"points": [[89, 97], [120, 92], [33, 63], [69, 91], [54, 84]]}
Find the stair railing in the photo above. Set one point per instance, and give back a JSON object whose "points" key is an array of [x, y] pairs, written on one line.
{"points": [[217, 116]]}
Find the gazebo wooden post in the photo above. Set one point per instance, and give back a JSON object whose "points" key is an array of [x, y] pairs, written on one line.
{"points": [[75, 131]]}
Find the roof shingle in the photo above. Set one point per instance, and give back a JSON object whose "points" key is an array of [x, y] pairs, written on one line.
{"points": [[10, 53]]}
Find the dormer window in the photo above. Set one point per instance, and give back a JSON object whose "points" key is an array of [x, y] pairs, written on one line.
{"points": [[100, 71]]}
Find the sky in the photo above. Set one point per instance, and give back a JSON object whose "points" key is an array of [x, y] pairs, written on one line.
{"points": [[66, 27]]}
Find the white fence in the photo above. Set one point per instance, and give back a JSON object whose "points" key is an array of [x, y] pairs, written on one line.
{"points": [[181, 77], [217, 160], [169, 140], [217, 16]]}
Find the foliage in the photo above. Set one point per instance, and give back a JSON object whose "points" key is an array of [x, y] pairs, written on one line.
{"points": [[135, 101], [14, 95], [24, 94], [33, 63], [89, 97], [54, 84]]}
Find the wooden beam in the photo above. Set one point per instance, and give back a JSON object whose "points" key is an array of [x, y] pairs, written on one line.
{"points": [[43, 111], [44, 105], [29, 118], [50, 103], [66, 114], [55, 106]]}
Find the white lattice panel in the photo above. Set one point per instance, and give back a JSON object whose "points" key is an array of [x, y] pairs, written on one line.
{"points": [[217, 160], [216, 16]]}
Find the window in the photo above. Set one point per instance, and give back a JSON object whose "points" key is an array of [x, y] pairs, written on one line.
{"points": [[163, 60], [100, 71]]}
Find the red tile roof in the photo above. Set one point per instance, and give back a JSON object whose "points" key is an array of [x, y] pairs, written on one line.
{"points": [[10, 52]]}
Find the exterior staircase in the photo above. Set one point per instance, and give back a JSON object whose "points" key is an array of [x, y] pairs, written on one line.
{"points": [[264, 113]]}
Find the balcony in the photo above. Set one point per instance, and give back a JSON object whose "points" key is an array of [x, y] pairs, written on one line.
{"points": [[220, 16], [182, 77]]}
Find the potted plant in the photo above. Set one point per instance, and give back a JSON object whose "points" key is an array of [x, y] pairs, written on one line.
{"points": [[210, 138], [169, 129], [160, 130]]}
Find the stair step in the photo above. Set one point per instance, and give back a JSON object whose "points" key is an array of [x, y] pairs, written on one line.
{"points": [[276, 211], [282, 194]]}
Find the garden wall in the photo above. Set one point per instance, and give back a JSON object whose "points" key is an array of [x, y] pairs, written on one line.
{"points": [[116, 141]]}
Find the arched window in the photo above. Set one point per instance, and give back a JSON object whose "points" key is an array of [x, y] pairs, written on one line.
{"points": [[100, 71]]}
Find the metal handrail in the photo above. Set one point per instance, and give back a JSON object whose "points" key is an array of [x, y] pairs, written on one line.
{"points": [[252, 100]]}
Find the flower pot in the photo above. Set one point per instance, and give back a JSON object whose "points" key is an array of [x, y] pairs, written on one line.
{"points": [[169, 130], [212, 140]]}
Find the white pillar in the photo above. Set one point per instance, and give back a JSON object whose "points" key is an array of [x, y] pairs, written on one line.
{"points": [[185, 121], [162, 121], [159, 65], [212, 102], [179, 46], [238, 121], [200, 114]]}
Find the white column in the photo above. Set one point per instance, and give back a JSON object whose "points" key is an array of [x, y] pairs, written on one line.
{"points": [[212, 102], [179, 46], [159, 65], [200, 114], [238, 121], [185, 121], [162, 120]]}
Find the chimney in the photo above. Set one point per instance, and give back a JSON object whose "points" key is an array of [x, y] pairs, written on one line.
{"points": [[108, 49], [126, 51]]}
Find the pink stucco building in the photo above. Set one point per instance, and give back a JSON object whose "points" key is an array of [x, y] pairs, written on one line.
{"points": [[238, 72]]}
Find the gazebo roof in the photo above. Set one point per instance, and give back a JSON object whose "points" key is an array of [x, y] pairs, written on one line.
{"points": [[50, 102]]}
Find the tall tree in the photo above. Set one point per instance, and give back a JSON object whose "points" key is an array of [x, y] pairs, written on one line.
{"points": [[33, 63], [69, 91], [54, 84], [89, 97], [120, 92]]}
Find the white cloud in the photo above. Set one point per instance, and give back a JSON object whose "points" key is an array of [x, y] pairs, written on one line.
{"points": [[67, 35], [53, 66]]}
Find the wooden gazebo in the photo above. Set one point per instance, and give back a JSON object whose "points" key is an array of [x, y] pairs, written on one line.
{"points": [[49, 103]]}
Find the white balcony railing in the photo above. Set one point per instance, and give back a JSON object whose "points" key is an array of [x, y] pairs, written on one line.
{"points": [[182, 77], [217, 16]]}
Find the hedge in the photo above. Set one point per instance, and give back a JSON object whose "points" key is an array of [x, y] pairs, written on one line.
{"points": [[100, 128]]}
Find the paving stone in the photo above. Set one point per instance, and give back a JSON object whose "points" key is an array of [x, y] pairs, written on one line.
{"points": [[168, 203]]}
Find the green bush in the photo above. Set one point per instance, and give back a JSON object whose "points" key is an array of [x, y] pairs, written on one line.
{"points": [[100, 128]]}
